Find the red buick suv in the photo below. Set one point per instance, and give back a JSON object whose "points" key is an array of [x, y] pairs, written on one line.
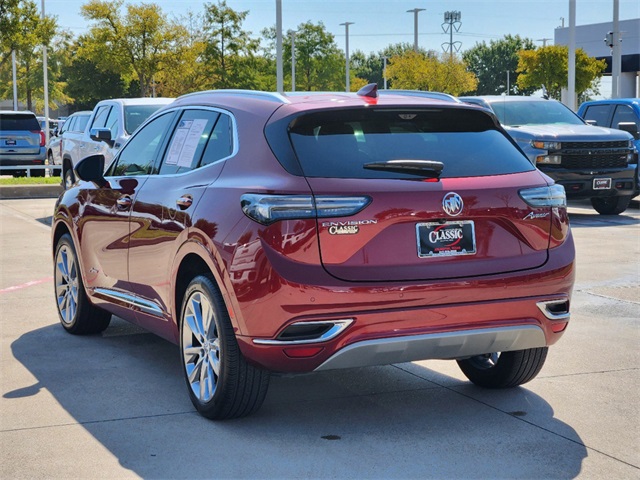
{"points": [[301, 232]]}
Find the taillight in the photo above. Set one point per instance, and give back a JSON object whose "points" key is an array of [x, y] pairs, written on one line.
{"points": [[43, 138], [267, 209], [552, 196]]}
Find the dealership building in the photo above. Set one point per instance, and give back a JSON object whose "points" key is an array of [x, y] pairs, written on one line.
{"points": [[591, 38]]}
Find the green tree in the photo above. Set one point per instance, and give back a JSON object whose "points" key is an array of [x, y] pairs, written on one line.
{"points": [[320, 64], [230, 52], [133, 44], [370, 67], [490, 63], [548, 66], [25, 31], [86, 83], [446, 74], [184, 69]]}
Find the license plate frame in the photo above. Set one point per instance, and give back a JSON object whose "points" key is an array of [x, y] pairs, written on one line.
{"points": [[448, 239], [602, 184]]}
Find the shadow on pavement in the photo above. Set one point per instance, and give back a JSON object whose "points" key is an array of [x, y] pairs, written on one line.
{"points": [[126, 389]]}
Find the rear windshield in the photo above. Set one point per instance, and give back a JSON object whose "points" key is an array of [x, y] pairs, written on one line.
{"points": [[14, 122], [134, 115], [339, 143], [515, 114]]}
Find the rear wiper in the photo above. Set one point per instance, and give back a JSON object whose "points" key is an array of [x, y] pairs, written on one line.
{"points": [[423, 168]]}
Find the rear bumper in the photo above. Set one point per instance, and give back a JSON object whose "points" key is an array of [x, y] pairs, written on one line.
{"points": [[448, 345], [399, 323], [579, 183]]}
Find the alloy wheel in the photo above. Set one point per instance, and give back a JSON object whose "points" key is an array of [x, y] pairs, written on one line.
{"points": [[201, 347], [66, 278]]}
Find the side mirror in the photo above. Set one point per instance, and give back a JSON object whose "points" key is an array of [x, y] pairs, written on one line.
{"points": [[630, 127], [591, 122], [101, 135], [91, 169]]}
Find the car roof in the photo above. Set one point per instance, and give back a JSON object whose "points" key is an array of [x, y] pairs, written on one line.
{"points": [[506, 98], [616, 101], [81, 112], [306, 100], [139, 101], [17, 112]]}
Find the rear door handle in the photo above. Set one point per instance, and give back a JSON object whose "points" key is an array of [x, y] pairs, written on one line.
{"points": [[124, 202], [184, 202]]}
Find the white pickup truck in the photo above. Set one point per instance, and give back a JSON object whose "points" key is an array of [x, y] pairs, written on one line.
{"points": [[111, 123]]}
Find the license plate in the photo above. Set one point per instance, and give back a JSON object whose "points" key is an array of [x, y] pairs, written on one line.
{"points": [[10, 143], [446, 239], [602, 184]]}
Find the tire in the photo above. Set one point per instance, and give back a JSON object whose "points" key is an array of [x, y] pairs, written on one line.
{"points": [[221, 384], [611, 205], [77, 314], [504, 370], [55, 172], [69, 179]]}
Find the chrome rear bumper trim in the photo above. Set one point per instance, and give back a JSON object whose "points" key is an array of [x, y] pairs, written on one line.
{"points": [[333, 332], [544, 308], [449, 345]]}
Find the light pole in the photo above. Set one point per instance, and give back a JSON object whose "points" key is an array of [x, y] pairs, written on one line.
{"points": [[346, 32], [571, 87], [15, 81], [415, 26], [279, 74], [384, 71], [293, 61], [46, 86]]}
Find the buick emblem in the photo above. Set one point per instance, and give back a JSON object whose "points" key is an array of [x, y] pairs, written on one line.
{"points": [[452, 204]]}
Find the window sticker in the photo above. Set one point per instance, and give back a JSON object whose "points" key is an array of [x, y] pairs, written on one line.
{"points": [[185, 142]]}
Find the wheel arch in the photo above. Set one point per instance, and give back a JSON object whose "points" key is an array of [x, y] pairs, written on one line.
{"points": [[195, 259]]}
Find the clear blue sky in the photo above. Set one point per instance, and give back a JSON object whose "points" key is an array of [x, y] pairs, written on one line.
{"points": [[379, 23]]}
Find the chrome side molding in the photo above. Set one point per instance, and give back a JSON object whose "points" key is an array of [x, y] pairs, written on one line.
{"points": [[130, 301]]}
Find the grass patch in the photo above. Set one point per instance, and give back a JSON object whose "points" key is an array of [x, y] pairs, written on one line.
{"points": [[30, 181]]}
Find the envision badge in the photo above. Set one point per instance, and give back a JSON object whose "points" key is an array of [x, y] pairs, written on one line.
{"points": [[452, 204]]}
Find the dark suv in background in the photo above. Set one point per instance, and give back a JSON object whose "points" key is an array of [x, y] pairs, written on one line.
{"points": [[589, 161], [22, 143]]}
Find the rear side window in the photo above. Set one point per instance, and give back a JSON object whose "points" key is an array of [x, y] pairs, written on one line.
{"points": [[188, 141], [598, 113], [624, 113], [135, 115], [340, 143], [81, 123], [13, 122], [101, 117]]}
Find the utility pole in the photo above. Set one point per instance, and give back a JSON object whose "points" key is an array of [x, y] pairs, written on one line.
{"points": [[616, 57], [544, 41], [279, 71], [415, 26], [46, 86], [346, 32], [451, 22], [15, 81], [293, 61], [571, 102], [384, 71]]}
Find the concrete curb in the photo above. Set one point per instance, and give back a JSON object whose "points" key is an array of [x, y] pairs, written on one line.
{"points": [[29, 191]]}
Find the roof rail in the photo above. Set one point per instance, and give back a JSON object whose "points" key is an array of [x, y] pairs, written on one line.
{"points": [[270, 96]]}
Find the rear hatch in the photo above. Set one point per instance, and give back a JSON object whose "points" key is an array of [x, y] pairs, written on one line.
{"points": [[468, 219], [19, 134]]}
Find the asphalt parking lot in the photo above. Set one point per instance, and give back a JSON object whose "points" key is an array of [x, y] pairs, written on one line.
{"points": [[115, 405]]}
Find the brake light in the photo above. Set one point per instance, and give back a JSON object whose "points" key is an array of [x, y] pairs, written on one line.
{"points": [[43, 139], [267, 209], [551, 196]]}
